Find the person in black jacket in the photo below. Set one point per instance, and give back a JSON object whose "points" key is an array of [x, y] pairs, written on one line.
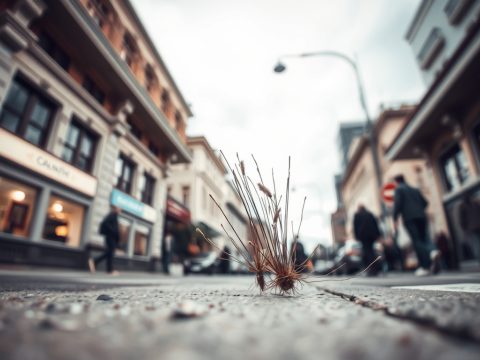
{"points": [[110, 229], [366, 230], [410, 204]]}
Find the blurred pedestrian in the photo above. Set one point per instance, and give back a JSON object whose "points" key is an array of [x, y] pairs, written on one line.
{"points": [[167, 251], [110, 229], [301, 258], [366, 230], [410, 204], [225, 260]]}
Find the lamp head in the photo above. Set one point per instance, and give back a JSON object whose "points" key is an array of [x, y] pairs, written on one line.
{"points": [[279, 68]]}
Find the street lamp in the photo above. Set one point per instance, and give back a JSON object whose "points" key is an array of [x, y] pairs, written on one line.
{"points": [[281, 67]]}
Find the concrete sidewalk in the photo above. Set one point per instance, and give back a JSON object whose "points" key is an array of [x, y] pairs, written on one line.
{"points": [[232, 322]]}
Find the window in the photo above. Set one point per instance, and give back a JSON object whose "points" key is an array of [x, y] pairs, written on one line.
{"points": [[140, 240], [99, 11], [127, 53], [454, 167], [64, 221], [124, 169], [165, 101], [124, 227], [431, 48], [93, 89], [456, 9], [149, 78], [147, 188], [186, 195], [79, 147], [153, 149], [54, 50], [27, 113], [178, 121], [17, 202], [134, 129]]}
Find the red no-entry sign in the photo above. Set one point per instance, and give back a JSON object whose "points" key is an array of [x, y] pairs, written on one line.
{"points": [[388, 191]]}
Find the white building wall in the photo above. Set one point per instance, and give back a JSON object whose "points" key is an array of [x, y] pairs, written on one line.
{"points": [[432, 15]]}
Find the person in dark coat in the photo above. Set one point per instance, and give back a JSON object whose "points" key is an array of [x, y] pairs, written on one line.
{"points": [[300, 258], [110, 229], [410, 204], [225, 260], [366, 230]]}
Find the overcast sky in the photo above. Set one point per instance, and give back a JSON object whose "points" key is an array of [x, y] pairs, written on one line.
{"points": [[221, 54]]}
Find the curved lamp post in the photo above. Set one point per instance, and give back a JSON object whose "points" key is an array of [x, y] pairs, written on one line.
{"points": [[281, 67]]}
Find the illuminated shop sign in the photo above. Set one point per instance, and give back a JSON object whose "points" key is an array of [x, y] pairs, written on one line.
{"points": [[23, 153], [132, 206]]}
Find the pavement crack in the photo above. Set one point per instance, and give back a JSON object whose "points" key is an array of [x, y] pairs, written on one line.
{"points": [[460, 333]]}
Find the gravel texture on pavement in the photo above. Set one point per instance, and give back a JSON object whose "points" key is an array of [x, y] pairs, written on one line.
{"points": [[210, 318]]}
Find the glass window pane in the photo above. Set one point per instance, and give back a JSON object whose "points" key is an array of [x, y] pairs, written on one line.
{"points": [[17, 97], [67, 154], [64, 221], [17, 204], [140, 245], [33, 134], [86, 146], [9, 121], [72, 136], [82, 162], [463, 172], [40, 114], [124, 227]]}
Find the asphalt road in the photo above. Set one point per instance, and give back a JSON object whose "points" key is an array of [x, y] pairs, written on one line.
{"points": [[57, 315]]}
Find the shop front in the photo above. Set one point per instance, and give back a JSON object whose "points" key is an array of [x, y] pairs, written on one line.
{"points": [[178, 224], [44, 206], [136, 223]]}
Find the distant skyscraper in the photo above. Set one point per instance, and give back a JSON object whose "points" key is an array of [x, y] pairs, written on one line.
{"points": [[348, 132]]}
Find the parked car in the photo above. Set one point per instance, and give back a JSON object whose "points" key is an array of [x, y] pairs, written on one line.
{"points": [[349, 254], [203, 263]]}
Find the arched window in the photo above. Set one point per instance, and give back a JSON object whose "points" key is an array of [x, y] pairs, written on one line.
{"points": [[129, 49], [150, 78], [165, 101]]}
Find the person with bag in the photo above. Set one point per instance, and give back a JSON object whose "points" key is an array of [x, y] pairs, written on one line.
{"points": [[110, 229], [366, 230], [410, 204]]}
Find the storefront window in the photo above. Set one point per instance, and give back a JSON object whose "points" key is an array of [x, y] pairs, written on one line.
{"points": [[124, 227], [140, 245], [17, 202], [476, 134], [463, 214], [454, 167], [64, 221]]}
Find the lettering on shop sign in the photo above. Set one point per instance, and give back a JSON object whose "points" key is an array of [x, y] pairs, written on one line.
{"points": [[60, 170]]}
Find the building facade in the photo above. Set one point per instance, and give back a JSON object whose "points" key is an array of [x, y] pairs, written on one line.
{"points": [[444, 129], [89, 118], [359, 184], [192, 184]]}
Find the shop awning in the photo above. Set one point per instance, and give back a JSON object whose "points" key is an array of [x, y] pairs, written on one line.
{"points": [[177, 211]]}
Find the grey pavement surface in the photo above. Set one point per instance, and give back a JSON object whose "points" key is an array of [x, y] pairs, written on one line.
{"points": [[143, 320]]}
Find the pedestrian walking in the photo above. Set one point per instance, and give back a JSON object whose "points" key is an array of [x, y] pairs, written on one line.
{"points": [[167, 252], [410, 205], [301, 258], [366, 230], [225, 260], [109, 228]]}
